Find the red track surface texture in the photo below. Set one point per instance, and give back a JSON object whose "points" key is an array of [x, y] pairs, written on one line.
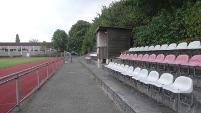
{"points": [[27, 83]]}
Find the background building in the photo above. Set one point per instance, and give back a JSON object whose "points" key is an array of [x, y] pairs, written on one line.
{"points": [[8, 49]]}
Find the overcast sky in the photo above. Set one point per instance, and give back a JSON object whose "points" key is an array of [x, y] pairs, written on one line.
{"points": [[39, 19]]}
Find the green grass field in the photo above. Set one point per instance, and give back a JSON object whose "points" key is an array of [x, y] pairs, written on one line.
{"points": [[6, 62]]}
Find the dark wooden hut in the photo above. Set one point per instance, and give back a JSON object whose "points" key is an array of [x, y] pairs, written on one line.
{"points": [[111, 41]]}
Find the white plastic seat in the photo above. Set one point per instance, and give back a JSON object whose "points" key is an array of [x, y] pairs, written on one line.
{"points": [[164, 47], [151, 48], [165, 79], [109, 65], [118, 67], [182, 45], [141, 48], [130, 49], [157, 47], [194, 45], [153, 76], [113, 66], [172, 46], [137, 48], [143, 74], [129, 71], [133, 49], [146, 48], [181, 84], [136, 71], [124, 69]]}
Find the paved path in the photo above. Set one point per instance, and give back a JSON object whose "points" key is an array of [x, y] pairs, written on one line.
{"points": [[70, 90]]}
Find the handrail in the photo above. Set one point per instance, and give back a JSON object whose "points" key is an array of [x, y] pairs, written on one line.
{"points": [[16, 76], [19, 72]]}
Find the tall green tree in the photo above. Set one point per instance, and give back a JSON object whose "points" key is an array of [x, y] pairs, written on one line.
{"points": [[17, 39], [153, 21], [76, 35], [59, 40], [193, 22]]}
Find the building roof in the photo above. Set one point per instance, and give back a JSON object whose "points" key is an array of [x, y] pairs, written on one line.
{"points": [[100, 28], [22, 44]]}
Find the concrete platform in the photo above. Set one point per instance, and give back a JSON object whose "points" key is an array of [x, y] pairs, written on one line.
{"points": [[70, 90]]}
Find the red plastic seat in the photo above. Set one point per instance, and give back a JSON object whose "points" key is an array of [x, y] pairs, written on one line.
{"points": [[180, 59], [145, 57], [125, 56], [151, 58], [139, 57], [130, 57], [194, 61], [120, 56], [168, 59], [134, 57], [158, 58]]}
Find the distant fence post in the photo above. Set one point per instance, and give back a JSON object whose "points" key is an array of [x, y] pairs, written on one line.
{"points": [[53, 66], [56, 64], [38, 77], [17, 93], [47, 69]]}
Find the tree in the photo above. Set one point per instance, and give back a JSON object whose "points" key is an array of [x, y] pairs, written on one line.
{"points": [[33, 40], [76, 35], [193, 22], [43, 46], [17, 39], [59, 40]]}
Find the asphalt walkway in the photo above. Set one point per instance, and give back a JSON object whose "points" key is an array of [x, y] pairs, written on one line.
{"points": [[70, 90]]}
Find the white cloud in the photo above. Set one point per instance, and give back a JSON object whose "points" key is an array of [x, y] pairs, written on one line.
{"points": [[40, 18]]}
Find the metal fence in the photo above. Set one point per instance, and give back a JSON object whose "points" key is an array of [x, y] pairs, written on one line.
{"points": [[36, 80]]}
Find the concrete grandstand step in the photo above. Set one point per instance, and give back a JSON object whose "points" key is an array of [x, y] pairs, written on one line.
{"points": [[127, 98]]}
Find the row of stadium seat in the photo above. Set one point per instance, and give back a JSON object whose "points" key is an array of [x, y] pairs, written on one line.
{"points": [[169, 76], [162, 62], [173, 46], [165, 82], [181, 84]]}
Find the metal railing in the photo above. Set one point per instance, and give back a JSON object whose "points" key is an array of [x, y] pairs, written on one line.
{"points": [[16, 76]]}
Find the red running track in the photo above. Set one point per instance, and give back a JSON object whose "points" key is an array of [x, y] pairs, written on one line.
{"points": [[26, 83]]}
